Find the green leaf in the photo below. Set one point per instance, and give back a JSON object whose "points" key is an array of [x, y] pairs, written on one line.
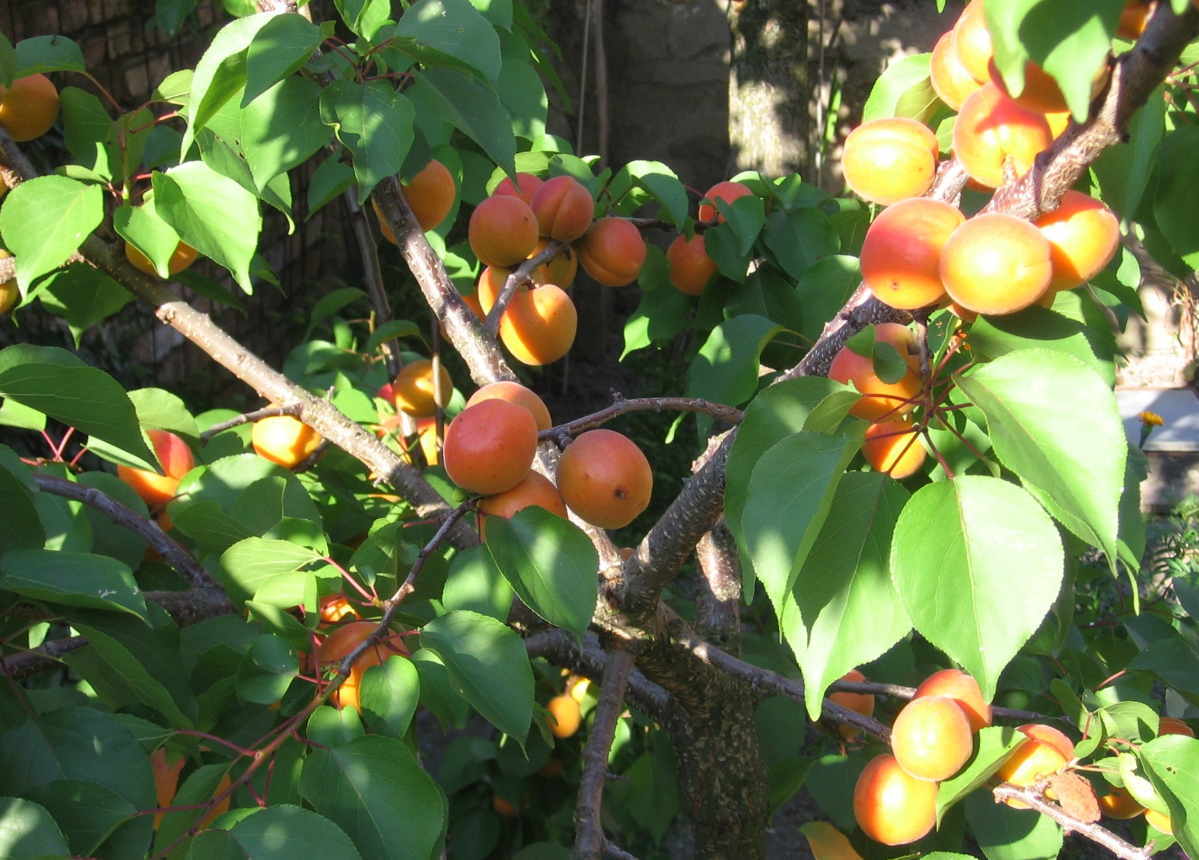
{"points": [[437, 693], [799, 239], [895, 81], [831, 782], [474, 582], [247, 564], [287, 831], [1172, 765], [83, 296], [364, 17], [473, 109], [20, 527], [272, 145], [44, 221], [1056, 423], [664, 185], [374, 123], [995, 745], [1170, 208], [824, 289], [220, 74], [978, 564], [663, 310], [72, 579], [550, 563], [48, 54], [521, 90], [726, 368], [91, 814], [374, 789], [280, 48], [196, 791], [456, 28], [331, 303], [1004, 833], [266, 670], [488, 666], [28, 831], [1037, 327], [389, 694], [327, 183], [391, 330], [1173, 660], [1123, 171]]}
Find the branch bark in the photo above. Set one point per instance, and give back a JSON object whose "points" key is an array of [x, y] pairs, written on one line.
{"points": [[1097, 834], [589, 831]]}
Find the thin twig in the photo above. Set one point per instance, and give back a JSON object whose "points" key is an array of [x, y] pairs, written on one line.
{"points": [[589, 831], [409, 584], [43, 658], [292, 409], [372, 275], [521, 274], [1035, 798], [621, 406]]}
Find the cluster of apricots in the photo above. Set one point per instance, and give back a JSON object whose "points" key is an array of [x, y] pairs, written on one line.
{"points": [[1120, 803], [690, 266], [919, 251], [29, 107]]}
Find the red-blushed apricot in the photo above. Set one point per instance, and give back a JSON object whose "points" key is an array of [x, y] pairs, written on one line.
{"points": [[414, 391], [489, 286], [176, 459], [891, 806], [1043, 754], [972, 40], [489, 447], [726, 191], [894, 447], [539, 325], [535, 490], [1118, 803], [612, 252], [1159, 821], [284, 440], [901, 254], [862, 703], [1174, 726], [605, 478], [431, 194], [828, 843], [890, 159], [559, 271], [335, 608], [426, 435], [182, 257], [880, 399], [963, 689], [563, 207], [996, 264], [990, 129], [338, 645], [931, 738], [528, 185], [514, 392], [29, 107], [1133, 19], [1083, 236], [502, 231], [166, 779], [690, 266], [950, 79], [566, 716], [1041, 92]]}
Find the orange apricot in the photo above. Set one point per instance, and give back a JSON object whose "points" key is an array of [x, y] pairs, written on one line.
{"points": [[514, 392], [890, 159], [489, 286], [862, 703], [414, 390], [963, 689], [221, 806], [950, 79], [566, 716], [931, 738], [503, 807], [489, 447], [29, 107], [1174, 726], [182, 257], [1041, 92], [525, 187], [893, 447], [431, 194], [284, 440], [972, 40], [1159, 821], [1134, 18], [539, 325], [1118, 803], [560, 270], [901, 254], [996, 264], [991, 129], [426, 437], [1045, 752], [502, 231], [726, 191], [1083, 236], [176, 460], [1058, 122], [335, 608], [690, 266], [563, 207], [879, 399], [534, 490], [891, 806], [338, 645], [612, 251], [166, 779], [605, 478]]}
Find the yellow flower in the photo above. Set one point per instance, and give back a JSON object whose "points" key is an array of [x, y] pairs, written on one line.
{"points": [[1150, 419]]}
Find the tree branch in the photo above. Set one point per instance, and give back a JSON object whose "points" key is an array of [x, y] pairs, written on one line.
{"points": [[372, 275], [249, 418], [589, 831], [518, 276], [621, 406], [43, 658], [718, 602], [1093, 831]]}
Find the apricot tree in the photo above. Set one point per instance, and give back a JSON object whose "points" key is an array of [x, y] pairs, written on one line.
{"points": [[248, 650]]}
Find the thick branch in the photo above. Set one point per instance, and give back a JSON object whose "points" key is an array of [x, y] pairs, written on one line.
{"points": [[589, 832], [718, 602], [1097, 834], [45, 657]]}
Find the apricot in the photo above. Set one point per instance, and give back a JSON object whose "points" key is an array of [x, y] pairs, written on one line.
{"points": [[335, 608], [502, 231], [489, 286], [880, 399], [514, 392], [539, 325], [996, 264], [1174, 726], [1134, 18], [426, 436], [690, 266], [990, 129], [182, 257], [1118, 803], [489, 447], [612, 252], [1041, 92], [284, 440], [221, 806], [1058, 122], [894, 448], [560, 270], [972, 40], [534, 490], [10, 294], [414, 390], [563, 207], [901, 254], [431, 194], [503, 807], [605, 478], [525, 187], [1083, 236], [891, 806], [338, 645], [950, 79], [1045, 752], [566, 716], [931, 738], [726, 191], [176, 460], [29, 107], [1159, 821], [861, 703], [964, 690], [166, 779], [890, 159]]}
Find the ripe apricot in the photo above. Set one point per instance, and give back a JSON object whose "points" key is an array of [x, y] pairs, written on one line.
{"points": [[563, 207], [29, 107], [539, 325], [338, 645], [880, 399], [963, 689], [1134, 18], [828, 843], [1083, 236], [1041, 92], [284, 440], [559, 271], [972, 40], [996, 264], [1174, 726], [605, 478], [166, 779], [1058, 122], [534, 490], [525, 187], [414, 390], [431, 194], [690, 266], [1159, 821], [514, 392], [862, 703], [931, 738], [489, 447], [503, 807], [891, 806], [901, 254], [990, 129], [176, 459], [1043, 754], [502, 231], [889, 159], [335, 608], [489, 286], [566, 716], [612, 252], [893, 447], [726, 191], [426, 436], [182, 257], [950, 79], [1118, 803]]}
